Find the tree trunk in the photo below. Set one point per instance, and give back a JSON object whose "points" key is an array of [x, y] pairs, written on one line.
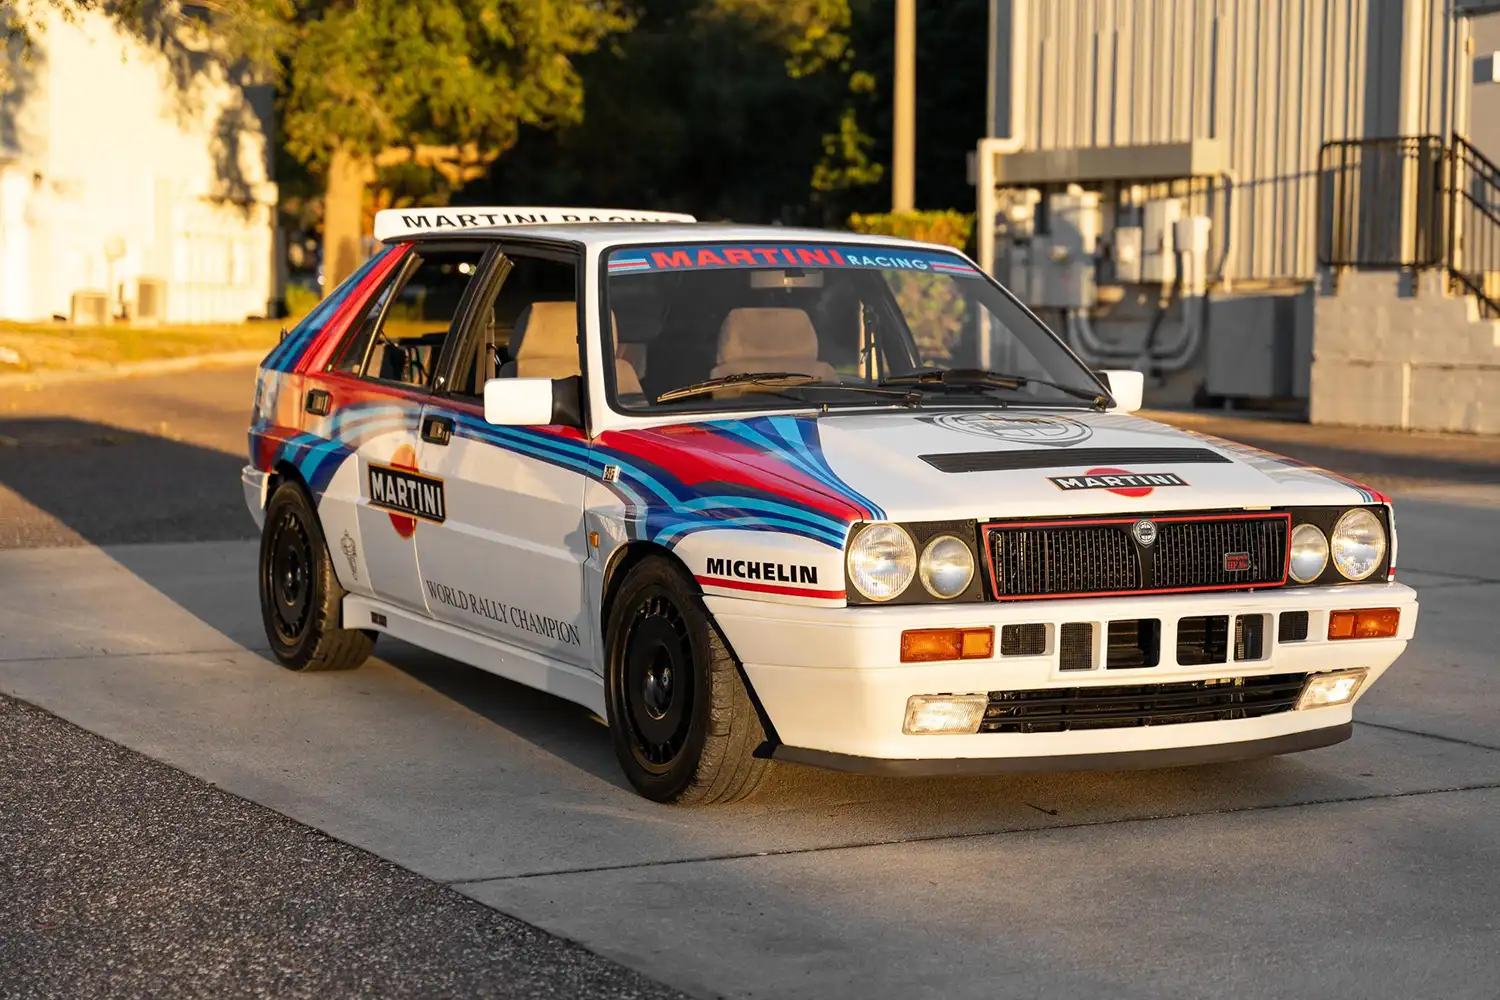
{"points": [[343, 216]]}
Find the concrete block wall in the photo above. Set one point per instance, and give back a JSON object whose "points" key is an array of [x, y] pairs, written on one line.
{"points": [[1393, 351]]}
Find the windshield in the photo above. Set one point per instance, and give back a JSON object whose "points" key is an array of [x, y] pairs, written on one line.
{"points": [[712, 326]]}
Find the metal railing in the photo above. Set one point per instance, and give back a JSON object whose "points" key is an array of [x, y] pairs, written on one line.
{"points": [[1363, 186], [1473, 257], [1414, 203]]}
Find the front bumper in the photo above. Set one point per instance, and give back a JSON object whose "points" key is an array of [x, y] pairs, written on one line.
{"points": [[831, 684]]}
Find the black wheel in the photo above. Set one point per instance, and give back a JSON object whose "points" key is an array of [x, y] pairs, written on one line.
{"points": [[300, 597], [684, 727]]}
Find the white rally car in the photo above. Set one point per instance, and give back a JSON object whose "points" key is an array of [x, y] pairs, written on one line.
{"points": [[756, 494]]}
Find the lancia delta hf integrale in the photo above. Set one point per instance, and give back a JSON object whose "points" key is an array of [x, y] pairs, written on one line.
{"points": [[758, 494]]}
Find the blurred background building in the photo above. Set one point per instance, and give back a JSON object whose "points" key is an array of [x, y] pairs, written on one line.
{"points": [[135, 179], [1257, 199]]}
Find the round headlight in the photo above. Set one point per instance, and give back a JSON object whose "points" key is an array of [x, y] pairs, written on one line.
{"points": [[882, 560], [1358, 544], [1309, 553], [947, 566]]}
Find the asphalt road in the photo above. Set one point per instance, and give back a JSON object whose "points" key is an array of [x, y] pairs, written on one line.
{"points": [[205, 823]]}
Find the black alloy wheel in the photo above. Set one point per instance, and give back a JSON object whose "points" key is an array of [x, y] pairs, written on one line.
{"points": [[684, 727], [658, 681], [288, 577], [301, 601]]}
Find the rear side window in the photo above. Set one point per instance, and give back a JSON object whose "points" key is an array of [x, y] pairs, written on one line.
{"points": [[401, 333]]}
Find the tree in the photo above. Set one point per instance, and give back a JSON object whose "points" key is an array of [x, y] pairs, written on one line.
{"points": [[364, 78], [718, 107]]}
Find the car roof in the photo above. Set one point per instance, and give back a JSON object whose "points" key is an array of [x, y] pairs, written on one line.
{"points": [[607, 234]]}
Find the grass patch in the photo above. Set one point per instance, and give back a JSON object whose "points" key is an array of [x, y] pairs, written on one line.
{"points": [[59, 346]]}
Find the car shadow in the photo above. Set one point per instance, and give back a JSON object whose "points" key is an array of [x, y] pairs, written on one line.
{"points": [[144, 499]]}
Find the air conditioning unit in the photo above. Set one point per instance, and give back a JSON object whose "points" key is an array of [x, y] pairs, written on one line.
{"points": [[88, 307], [150, 300]]}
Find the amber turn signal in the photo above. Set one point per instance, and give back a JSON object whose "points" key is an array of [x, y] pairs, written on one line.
{"points": [[924, 645], [1367, 623]]}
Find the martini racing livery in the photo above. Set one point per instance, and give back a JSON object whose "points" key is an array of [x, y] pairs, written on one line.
{"points": [[755, 494]]}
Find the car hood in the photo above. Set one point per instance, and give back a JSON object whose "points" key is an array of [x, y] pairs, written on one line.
{"points": [[1026, 463]]}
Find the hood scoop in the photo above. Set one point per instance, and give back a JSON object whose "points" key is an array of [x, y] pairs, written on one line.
{"points": [[1069, 458]]}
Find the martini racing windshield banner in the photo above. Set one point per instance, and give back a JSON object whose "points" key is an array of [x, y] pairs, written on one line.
{"points": [[714, 256]]}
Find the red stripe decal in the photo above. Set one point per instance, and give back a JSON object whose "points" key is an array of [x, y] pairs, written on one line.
{"points": [[771, 588]]}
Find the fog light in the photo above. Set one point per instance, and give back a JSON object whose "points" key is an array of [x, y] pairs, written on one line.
{"points": [[928, 715], [1366, 623], [923, 645], [1323, 690]]}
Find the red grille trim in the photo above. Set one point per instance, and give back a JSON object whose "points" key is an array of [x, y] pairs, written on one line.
{"points": [[986, 529]]}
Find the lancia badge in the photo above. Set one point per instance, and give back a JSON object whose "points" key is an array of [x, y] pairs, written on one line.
{"points": [[1144, 531]]}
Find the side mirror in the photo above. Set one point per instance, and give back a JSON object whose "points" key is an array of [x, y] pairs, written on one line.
{"points": [[532, 402], [1127, 386]]}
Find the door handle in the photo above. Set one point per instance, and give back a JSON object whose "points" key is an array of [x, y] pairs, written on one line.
{"points": [[318, 402], [437, 430]]}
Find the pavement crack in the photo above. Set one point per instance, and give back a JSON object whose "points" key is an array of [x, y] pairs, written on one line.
{"points": [[1430, 736], [974, 835]]}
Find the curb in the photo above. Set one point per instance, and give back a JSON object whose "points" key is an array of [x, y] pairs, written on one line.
{"points": [[44, 379]]}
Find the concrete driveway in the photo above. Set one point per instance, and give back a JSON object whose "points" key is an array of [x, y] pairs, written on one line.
{"points": [[1371, 868]]}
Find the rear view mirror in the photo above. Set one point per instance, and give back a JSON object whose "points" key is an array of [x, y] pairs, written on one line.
{"points": [[1127, 386], [532, 402]]}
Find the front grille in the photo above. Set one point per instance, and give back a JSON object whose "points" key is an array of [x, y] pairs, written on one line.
{"points": [[1059, 710], [1199, 553], [1062, 560], [1190, 552]]}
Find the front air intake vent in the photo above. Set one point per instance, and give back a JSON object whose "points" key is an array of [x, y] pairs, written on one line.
{"points": [[1076, 647], [1068, 458], [1023, 640]]}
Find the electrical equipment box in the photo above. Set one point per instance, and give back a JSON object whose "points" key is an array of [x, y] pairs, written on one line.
{"points": [[1158, 245], [1066, 265], [1127, 254], [1191, 234]]}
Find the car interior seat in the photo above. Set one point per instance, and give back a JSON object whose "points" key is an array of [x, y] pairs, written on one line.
{"points": [[769, 339], [545, 345]]}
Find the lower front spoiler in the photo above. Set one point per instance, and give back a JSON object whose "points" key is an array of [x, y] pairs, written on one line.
{"points": [[1212, 753]]}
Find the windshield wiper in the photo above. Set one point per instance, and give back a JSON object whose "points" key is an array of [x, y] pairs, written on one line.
{"points": [[969, 377], [771, 379], [784, 380]]}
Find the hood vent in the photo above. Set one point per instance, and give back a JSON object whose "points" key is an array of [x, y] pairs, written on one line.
{"points": [[1068, 458]]}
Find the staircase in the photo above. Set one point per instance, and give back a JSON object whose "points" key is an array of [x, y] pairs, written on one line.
{"points": [[1406, 328]]}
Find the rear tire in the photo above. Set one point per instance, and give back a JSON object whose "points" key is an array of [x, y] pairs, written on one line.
{"points": [[684, 727], [301, 602]]}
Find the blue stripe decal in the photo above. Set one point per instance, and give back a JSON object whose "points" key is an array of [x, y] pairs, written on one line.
{"points": [[284, 356]]}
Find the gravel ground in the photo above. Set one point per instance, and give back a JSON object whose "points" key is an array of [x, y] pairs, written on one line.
{"points": [[122, 877]]}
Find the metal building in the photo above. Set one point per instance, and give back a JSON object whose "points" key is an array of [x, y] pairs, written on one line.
{"points": [[1176, 181]]}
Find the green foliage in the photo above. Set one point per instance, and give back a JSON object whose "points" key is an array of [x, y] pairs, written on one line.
{"points": [[810, 32], [300, 299], [951, 228], [931, 303], [383, 73]]}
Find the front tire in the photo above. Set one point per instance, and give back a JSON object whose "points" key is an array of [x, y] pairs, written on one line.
{"points": [[683, 724], [301, 602]]}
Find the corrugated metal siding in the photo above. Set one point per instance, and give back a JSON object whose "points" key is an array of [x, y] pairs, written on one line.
{"points": [[1275, 78]]}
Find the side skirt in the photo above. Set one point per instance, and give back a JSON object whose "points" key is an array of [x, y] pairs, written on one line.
{"points": [[580, 686]]}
